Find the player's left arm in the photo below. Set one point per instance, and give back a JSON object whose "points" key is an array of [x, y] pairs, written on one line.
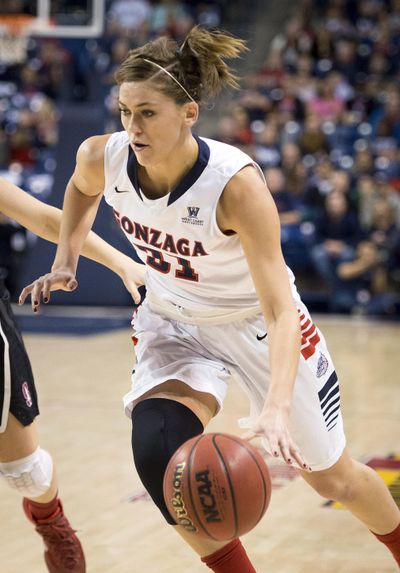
{"points": [[247, 208]]}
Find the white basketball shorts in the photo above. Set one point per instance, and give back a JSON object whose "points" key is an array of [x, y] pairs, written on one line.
{"points": [[208, 357]]}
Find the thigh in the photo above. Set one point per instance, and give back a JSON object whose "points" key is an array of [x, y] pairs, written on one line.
{"points": [[18, 441], [204, 405], [171, 359]]}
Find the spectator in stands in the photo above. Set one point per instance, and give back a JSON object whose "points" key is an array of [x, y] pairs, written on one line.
{"points": [[362, 285], [340, 180], [46, 122], [289, 215], [244, 133], [386, 190], [363, 162], [318, 186], [337, 233], [325, 104], [384, 233], [312, 138], [345, 58], [366, 189], [293, 169], [267, 149], [171, 18], [129, 18]]}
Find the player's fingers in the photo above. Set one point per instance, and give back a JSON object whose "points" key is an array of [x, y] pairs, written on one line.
{"points": [[24, 294], [134, 293], [46, 291], [36, 295], [274, 448], [298, 458], [285, 452], [72, 284]]}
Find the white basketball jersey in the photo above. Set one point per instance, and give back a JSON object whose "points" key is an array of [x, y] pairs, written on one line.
{"points": [[190, 262]]}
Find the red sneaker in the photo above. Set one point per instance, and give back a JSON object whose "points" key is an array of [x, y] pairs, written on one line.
{"points": [[63, 553]]}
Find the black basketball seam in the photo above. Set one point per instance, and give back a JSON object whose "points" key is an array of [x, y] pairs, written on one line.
{"points": [[259, 469], [190, 487], [214, 436]]}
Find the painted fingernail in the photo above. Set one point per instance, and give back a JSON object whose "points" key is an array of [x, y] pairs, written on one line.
{"points": [[276, 454], [289, 461], [45, 300], [35, 309], [35, 302]]}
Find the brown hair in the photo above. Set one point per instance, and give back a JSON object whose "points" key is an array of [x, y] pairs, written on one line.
{"points": [[198, 65]]}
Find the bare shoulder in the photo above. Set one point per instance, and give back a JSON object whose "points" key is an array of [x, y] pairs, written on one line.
{"points": [[91, 150], [245, 194], [88, 176]]}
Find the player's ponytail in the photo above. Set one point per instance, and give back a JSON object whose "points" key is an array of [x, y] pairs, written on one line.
{"points": [[203, 61], [195, 70]]}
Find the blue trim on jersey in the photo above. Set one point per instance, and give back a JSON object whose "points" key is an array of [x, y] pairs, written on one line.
{"points": [[192, 176], [188, 180]]}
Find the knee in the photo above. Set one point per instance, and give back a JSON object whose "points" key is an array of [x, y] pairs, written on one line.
{"points": [[336, 487], [30, 476], [159, 427]]}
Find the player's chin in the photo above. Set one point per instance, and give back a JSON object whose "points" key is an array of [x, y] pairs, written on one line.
{"points": [[143, 154]]}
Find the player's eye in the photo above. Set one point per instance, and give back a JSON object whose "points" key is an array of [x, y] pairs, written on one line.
{"points": [[124, 111], [148, 113]]}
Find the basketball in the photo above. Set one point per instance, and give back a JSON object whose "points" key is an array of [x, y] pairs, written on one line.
{"points": [[217, 485]]}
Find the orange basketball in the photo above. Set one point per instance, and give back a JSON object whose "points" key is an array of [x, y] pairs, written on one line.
{"points": [[217, 485]]}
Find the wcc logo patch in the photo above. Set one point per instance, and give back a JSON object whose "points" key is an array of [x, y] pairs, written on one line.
{"points": [[322, 366], [192, 216]]}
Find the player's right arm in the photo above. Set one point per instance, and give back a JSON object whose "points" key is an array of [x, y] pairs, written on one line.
{"points": [[81, 201]]}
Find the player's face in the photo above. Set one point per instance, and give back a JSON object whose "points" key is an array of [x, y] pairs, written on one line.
{"points": [[155, 124]]}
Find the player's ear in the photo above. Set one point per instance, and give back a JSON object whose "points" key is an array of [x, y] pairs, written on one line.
{"points": [[191, 110]]}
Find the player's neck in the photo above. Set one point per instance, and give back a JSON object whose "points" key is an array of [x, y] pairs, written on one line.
{"points": [[159, 180]]}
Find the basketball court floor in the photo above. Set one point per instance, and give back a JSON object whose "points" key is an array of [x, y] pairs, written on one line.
{"points": [[81, 380]]}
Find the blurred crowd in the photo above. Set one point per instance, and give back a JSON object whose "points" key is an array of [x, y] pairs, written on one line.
{"points": [[321, 116]]}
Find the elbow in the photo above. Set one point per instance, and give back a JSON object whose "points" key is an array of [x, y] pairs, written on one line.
{"points": [[50, 227]]}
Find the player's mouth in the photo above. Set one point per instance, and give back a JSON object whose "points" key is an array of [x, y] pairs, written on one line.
{"points": [[137, 146]]}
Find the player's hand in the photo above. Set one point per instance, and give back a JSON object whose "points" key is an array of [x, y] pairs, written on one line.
{"points": [[132, 275], [39, 290], [273, 426]]}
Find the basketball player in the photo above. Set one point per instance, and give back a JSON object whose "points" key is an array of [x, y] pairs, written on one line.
{"points": [[221, 304], [24, 465]]}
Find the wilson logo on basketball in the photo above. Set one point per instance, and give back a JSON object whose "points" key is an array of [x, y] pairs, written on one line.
{"points": [[207, 498], [177, 502]]}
